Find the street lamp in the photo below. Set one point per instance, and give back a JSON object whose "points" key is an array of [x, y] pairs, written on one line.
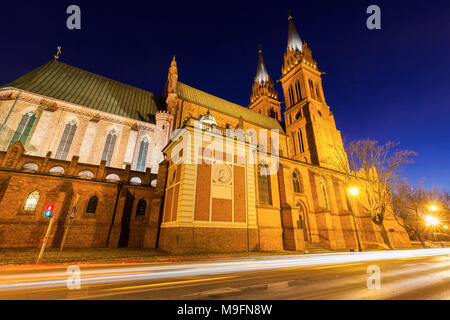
{"points": [[433, 207], [431, 221], [354, 191]]}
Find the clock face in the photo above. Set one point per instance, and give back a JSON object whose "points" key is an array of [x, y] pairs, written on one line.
{"points": [[222, 174]]}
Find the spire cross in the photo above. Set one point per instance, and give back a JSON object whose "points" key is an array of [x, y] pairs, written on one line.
{"points": [[56, 56]]}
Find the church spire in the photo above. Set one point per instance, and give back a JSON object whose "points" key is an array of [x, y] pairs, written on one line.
{"points": [[294, 41], [263, 85], [172, 78], [297, 51], [261, 72], [264, 98]]}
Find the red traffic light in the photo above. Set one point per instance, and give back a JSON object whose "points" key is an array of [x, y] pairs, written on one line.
{"points": [[49, 207]]}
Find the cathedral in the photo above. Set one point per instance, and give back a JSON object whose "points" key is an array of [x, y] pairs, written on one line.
{"points": [[184, 172]]}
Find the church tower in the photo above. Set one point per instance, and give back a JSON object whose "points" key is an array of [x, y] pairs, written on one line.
{"points": [[264, 98], [310, 125]]}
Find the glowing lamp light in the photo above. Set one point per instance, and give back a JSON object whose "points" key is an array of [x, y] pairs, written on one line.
{"points": [[430, 220], [48, 211], [445, 227], [433, 207], [353, 191]]}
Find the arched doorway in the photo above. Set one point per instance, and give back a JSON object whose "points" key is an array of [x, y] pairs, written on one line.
{"points": [[303, 222]]}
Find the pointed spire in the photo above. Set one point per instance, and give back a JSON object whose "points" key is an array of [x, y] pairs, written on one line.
{"points": [[294, 41], [261, 72], [263, 85], [172, 78]]}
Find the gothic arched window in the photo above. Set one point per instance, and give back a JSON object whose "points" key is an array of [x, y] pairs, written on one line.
{"points": [[141, 207], [298, 91], [300, 141], [92, 205], [293, 143], [109, 146], [32, 201], [318, 92], [66, 140], [142, 156], [291, 96], [311, 88], [24, 128], [264, 184], [296, 182], [324, 193]]}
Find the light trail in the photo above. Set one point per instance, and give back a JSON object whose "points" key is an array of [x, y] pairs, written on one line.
{"points": [[137, 273]]}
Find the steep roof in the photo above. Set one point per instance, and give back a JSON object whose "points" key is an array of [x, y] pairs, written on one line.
{"points": [[207, 100], [294, 41], [261, 72], [64, 82]]}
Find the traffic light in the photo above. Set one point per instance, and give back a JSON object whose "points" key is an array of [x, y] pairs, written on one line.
{"points": [[48, 211]]}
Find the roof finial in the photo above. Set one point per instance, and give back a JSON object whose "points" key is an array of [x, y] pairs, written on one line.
{"points": [[56, 56]]}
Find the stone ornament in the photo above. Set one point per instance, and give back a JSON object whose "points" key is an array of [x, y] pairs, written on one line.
{"points": [[222, 174]]}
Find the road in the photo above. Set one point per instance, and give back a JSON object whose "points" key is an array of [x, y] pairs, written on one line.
{"points": [[404, 274]]}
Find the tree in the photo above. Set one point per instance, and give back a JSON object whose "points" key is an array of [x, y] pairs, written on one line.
{"points": [[375, 169], [409, 204], [412, 205]]}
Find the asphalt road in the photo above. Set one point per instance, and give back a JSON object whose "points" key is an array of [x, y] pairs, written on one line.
{"points": [[403, 274]]}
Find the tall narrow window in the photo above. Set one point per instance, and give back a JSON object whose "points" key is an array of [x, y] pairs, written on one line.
{"points": [[318, 92], [297, 89], [92, 205], [311, 88], [141, 207], [324, 193], [293, 143], [264, 184], [66, 140], [291, 97], [296, 182], [142, 156], [24, 128], [109, 146], [300, 141], [32, 201]]}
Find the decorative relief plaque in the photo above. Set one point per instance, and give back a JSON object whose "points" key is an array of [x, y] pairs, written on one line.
{"points": [[221, 174]]}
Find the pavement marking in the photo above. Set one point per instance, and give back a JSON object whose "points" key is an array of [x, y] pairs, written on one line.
{"points": [[167, 283]]}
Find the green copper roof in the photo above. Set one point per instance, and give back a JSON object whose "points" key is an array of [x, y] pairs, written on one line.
{"points": [[204, 99], [64, 82]]}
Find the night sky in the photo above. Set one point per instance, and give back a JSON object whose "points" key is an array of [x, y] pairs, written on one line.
{"points": [[391, 84]]}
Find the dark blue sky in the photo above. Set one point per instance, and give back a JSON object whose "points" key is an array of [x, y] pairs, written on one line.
{"points": [[389, 84]]}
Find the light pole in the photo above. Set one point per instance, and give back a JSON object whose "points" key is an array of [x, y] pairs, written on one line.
{"points": [[353, 191]]}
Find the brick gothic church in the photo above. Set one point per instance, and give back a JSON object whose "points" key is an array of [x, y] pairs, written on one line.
{"points": [[100, 152]]}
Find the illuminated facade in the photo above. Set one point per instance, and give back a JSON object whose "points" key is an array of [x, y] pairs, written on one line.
{"points": [[103, 143]]}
